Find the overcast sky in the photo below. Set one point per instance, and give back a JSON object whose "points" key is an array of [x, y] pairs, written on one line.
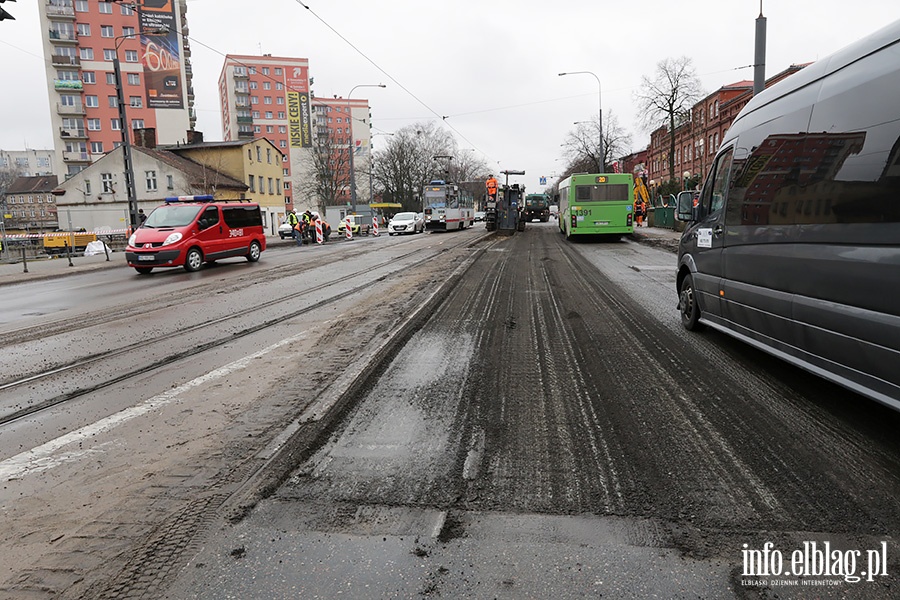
{"points": [[489, 66]]}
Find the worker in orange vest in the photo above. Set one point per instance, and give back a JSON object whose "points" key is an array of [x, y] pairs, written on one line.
{"points": [[491, 185]]}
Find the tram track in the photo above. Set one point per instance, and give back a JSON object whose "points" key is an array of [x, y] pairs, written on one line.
{"points": [[9, 416]]}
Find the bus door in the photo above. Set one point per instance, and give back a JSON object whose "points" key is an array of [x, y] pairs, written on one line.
{"points": [[706, 241]]}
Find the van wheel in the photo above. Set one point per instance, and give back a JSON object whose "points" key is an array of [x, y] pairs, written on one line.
{"points": [[254, 253], [143, 270], [193, 261], [687, 305]]}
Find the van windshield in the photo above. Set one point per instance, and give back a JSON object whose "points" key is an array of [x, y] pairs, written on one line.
{"points": [[172, 216]]}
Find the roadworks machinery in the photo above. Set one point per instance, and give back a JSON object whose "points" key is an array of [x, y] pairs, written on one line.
{"points": [[504, 213]]}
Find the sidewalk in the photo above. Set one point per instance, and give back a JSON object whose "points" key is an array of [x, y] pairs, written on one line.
{"points": [[50, 268], [658, 236]]}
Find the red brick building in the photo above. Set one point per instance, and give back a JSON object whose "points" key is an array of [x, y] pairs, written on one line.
{"points": [[697, 140]]}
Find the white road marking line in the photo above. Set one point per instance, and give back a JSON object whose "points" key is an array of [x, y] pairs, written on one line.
{"points": [[42, 457]]}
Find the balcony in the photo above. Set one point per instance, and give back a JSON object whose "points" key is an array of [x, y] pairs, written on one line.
{"points": [[241, 74], [242, 90], [245, 120], [63, 36], [73, 134], [66, 61], [68, 84], [76, 157], [246, 134], [60, 10], [65, 109]]}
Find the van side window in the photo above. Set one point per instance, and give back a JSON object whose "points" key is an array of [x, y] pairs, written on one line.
{"points": [[209, 217], [716, 190]]}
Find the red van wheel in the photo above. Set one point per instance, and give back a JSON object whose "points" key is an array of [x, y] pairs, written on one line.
{"points": [[255, 251], [193, 261]]}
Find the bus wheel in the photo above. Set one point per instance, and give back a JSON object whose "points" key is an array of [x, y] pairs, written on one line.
{"points": [[143, 270], [193, 261], [687, 304], [255, 251]]}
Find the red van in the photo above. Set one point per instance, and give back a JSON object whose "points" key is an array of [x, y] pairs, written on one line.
{"points": [[190, 230]]}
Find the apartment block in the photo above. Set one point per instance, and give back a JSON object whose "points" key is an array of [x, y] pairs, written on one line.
{"points": [[82, 40], [271, 97]]}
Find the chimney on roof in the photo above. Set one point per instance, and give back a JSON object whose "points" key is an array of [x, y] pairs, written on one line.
{"points": [[145, 138], [194, 136]]}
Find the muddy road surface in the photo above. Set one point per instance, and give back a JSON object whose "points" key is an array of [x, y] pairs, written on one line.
{"points": [[550, 431]]}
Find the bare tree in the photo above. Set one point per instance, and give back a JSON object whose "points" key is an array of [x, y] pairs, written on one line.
{"points": [[582, 146], [666, 100], [325, 179], [408, 162]]}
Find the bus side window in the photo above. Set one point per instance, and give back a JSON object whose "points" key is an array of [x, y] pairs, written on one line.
{"points": [[714, 198]]}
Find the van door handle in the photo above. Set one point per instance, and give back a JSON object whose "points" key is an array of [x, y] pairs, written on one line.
{"points": [[718, 230]]}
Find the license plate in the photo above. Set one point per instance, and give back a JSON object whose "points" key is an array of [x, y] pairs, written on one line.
{"points": [[146, 257], [601, 222]]}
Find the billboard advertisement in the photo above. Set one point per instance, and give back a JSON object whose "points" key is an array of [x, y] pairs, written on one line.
{"points": [[161, 54], [299, 123]]}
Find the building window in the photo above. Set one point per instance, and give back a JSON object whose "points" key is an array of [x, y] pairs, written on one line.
{"points": [[262, 182], [267, 85], [88, 77], [280, 114], [267, 100], [253, 85], [115, 126], [107, 31], [126, 10], [265, 70], [252, 70], [170, 182], [86, 53], [278, 70], [269, 155], [109, 54], [258, 154], [279, 85], [93, 124], [151, 180], [128, 31], [136, 102], [253, 184], [254, 100], [257, 129], [106, 183], [137, 124], [113, 101], [84, 29], [255, 114], [87, 186], [81, 6], [279, 100], [105, 8], [271, 186], [130, 55], [270, 129], [133, 79], [268, 114], [282, 129], [96, 148], [91, 101], [110, 79]]}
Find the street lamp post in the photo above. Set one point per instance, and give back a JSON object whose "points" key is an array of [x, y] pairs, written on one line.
{"points": [[126, 140], [600, 114], [350, 146]]}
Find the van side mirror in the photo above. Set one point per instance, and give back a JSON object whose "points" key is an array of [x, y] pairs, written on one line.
{"points": [[684, 207]]}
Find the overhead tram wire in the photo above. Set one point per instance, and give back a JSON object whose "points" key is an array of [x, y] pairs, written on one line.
{"points": [[442, 118]]}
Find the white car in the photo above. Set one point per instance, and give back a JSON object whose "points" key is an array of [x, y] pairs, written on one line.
{"points": [[405, 222], [285, 230]]}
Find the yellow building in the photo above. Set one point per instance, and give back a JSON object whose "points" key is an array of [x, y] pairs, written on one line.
{"points": [[258, 163]]}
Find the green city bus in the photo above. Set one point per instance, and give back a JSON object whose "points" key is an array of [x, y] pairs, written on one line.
{"points": [[599, 204]]}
